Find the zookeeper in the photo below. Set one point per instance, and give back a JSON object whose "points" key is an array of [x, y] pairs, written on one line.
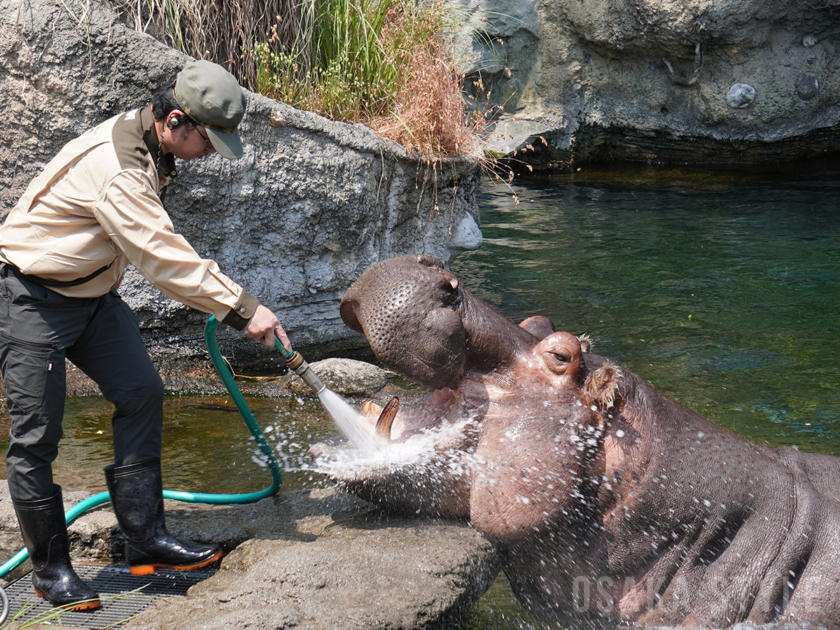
{"points": [[95, 209]]}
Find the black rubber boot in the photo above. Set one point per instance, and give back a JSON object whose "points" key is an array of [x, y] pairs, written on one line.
{"points": [[137, 496], [44, 532]]}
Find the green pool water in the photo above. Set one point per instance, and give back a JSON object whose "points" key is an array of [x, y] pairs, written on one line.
{"points": [[720, 289], [206, 445]]}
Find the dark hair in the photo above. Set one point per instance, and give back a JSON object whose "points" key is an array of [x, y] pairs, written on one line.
{"points": [[164, 102]]}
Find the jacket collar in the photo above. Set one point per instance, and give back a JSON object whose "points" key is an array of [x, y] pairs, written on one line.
{"points": [[165, 164]]}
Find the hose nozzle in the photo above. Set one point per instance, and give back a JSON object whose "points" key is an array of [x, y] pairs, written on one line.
{"points": [[301, 368]]}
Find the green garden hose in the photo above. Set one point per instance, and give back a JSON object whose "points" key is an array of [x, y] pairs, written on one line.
{"points": [[196, 497]]}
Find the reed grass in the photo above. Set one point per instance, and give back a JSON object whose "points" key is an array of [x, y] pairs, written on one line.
{"points": [[217, 30], [385, 63]]}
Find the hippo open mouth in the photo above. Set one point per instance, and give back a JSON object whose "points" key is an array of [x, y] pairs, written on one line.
{"points": [[421, 460], [400, 437], [424, 326]]}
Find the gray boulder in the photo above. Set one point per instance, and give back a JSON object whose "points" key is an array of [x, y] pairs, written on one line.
{"points": [[309, 559], [356, 576], [714, 81], [310, 206], [343, 376]]}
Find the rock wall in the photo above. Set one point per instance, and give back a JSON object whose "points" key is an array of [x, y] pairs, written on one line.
{"points": [[689, 81], [310, 206]]}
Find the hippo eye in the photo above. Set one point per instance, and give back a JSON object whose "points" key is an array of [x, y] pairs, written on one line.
{"points": [[561, 358]]}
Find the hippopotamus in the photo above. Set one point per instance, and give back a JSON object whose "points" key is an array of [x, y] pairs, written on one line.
{"points": [[601, 496]]}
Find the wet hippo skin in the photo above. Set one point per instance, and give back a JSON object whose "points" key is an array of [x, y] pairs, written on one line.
{"points": [[603, 497]]}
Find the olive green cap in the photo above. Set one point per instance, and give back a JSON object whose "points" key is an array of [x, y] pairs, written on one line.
{"points": [[212, 97]]}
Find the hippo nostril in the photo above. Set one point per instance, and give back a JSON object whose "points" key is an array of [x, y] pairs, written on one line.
{"points": [[428, 261]]}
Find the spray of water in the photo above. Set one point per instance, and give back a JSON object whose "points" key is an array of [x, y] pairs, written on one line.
{"points": [[419, 452], [359, 431]]}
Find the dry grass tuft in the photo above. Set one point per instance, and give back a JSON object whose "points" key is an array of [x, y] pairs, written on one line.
{"points": [[427, 114]]}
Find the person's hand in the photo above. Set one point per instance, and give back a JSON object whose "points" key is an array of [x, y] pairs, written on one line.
{"points": [[264, 326]]}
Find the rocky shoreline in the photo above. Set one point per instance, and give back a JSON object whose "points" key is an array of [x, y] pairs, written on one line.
{"points": [[313, 559]]}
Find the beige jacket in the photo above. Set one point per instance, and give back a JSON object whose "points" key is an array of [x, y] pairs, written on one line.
{"points": [[96, 204]]}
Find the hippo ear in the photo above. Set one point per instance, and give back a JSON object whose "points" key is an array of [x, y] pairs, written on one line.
{"points": [[560, 353], [601, 386], [539, 326], [585, 343]]}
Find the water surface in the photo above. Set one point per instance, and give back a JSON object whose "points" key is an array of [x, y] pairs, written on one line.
{"points": [[206, 445]]}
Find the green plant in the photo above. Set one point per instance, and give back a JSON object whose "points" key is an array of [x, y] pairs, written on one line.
{"points": [[337, 63], [384, 63]]}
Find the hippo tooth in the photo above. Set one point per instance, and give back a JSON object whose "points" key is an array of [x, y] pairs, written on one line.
{"points": [[386, 418]]}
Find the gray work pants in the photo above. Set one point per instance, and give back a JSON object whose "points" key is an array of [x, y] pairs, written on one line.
{"points": [[38, 329]]}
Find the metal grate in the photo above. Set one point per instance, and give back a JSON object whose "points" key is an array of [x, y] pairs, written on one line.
{"points": [[114, 585]]}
